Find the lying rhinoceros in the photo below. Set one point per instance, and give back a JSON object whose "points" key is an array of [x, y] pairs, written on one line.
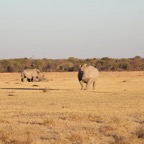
{"points": [[32, 75]]}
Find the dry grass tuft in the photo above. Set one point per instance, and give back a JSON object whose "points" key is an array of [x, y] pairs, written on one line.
{"points": [[44, 90], [6, 137], [7, 82], [124, 81], [75, 138], [35, 85], [12, 93], [49, 122], [119, 139], [140, 132]]}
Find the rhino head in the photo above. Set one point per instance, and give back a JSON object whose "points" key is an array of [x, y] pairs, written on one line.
{"points": [[83, 70], [41, 77]]}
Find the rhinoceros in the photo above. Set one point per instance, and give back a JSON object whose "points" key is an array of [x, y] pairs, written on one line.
{"points": [[32, 75], [87, 75]]}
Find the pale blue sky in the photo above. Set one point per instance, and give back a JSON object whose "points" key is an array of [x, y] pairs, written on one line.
{"points": [[71, 28]]}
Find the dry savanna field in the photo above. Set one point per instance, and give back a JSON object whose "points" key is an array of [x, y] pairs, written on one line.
{"points": [[58, 112]]}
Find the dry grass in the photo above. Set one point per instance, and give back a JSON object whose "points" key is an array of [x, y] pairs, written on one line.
{"points": [[57, 112]]}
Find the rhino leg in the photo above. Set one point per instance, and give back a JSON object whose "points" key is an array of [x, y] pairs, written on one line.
{"points": [[88, 84], [25, 80], [82, 85], [94, 85], [35, 79], [29, 80], [22, 77]]}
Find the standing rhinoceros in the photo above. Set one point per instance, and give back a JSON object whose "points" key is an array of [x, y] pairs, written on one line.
{"points": [[31, 75], [87, 75]]}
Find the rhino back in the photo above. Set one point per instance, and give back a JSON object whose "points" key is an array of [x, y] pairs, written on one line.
{"points": [[29, 73], [90, 73]]}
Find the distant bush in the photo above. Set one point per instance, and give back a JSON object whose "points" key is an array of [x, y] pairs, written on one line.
{"points": [[72, 64]]}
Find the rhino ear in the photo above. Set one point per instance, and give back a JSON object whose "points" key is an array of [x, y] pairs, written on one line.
{"points": [[38, 71], [80, 66], [85, 65]]}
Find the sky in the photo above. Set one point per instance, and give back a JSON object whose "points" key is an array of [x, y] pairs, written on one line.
{"points": [[71, 28]]}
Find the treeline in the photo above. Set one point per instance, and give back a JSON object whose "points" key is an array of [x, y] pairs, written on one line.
{"points": [[72, 64]]}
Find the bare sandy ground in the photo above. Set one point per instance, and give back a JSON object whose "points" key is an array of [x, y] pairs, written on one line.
{"points": [[58, 112]]}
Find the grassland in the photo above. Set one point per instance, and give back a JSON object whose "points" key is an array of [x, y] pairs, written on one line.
{"points": [[58, 112]]}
